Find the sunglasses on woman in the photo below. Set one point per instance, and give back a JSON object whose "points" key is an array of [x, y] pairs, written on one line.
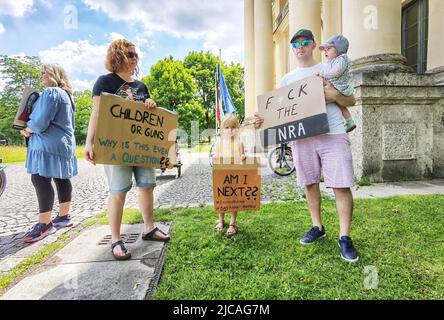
{"points": [[303, 43], [132, 55]]}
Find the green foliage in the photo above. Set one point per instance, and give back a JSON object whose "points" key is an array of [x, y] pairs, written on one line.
{"points": [[203, 66], [6, 130], [364, 182], [191, 111], [170, 84], [18, 72], [83, 101]]}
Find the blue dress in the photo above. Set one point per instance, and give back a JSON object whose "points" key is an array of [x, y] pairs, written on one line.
{"points": [[52, 146]]}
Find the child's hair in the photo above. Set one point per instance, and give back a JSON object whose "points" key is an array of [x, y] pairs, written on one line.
{"points": [[230, 120]]}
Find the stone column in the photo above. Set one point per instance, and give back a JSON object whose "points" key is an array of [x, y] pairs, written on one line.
{"points": [[280, 58], [331, 18], [305, 14], [250, 96], [263, 42], [372, 27]]}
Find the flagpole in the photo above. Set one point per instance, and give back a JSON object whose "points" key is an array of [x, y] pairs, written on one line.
{"points": [[215, 105], [220, 91]]}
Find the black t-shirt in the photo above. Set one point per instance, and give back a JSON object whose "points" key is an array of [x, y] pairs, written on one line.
{"points": [[112, 83]]}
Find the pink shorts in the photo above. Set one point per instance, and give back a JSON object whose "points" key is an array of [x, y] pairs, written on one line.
{"points": [[332, 153]]}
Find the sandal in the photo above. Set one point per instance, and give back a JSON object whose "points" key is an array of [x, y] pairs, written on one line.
{"points": [[217, 228], [126, 255], [150, 235], [230, 234]]}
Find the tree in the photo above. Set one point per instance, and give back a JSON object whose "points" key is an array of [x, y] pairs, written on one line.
{"points": [[18, 72], [6, 131], [83, 101], [203, 66], [189, 112], [170, 84]]}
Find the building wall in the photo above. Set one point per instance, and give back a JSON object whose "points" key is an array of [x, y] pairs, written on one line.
{"points": [[399, 114]]}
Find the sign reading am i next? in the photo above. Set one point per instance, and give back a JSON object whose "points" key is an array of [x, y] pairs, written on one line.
{"points": [[236, 186], [129, 134], [296, 111]]}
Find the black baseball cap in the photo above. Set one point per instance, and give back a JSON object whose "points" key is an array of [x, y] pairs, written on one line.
{"points": [[303, 33]]}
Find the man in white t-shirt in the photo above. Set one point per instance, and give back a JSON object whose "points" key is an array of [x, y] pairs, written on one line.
{"points": [[329, 153]]}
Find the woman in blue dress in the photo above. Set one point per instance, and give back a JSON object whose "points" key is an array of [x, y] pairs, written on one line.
{"points": [[51, 151]]}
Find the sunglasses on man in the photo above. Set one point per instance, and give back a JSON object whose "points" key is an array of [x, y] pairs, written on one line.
{"points": [[132, 55], [303, 43]]}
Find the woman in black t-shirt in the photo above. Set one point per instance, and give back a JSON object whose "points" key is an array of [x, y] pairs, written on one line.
{"points": [[121, 61]]}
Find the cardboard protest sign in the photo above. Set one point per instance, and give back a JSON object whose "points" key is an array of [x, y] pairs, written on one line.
{"points": [[29, 97], [236, 186], [129, 134], [296, 111]]}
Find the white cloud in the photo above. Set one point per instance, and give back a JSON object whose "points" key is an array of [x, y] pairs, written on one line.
{"points": [[81, 59], [2, 29], [115, 35], [16, 8], [81, 85], [218, 23], [77, 57]]}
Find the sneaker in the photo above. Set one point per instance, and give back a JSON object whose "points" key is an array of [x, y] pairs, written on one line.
{"points": [[348, 251], [38, 232], [62, 222], [350, 125], [312, 235]]}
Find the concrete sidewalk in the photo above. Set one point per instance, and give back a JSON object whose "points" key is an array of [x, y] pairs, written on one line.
{"points": [[86, 270], [384, 190]]}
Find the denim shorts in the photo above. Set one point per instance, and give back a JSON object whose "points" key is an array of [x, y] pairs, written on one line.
{"points": [[120, 178]]}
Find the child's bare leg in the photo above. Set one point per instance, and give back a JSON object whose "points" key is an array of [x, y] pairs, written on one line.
{"points": [[221, 224], [349, 122], [232, 229]]}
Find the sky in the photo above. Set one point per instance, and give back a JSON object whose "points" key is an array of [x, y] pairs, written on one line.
{"points": [[76, 33]]}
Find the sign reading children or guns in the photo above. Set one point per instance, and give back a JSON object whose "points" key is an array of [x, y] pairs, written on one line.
{"points": [[237, 187], [129, 134], [296, 111]]}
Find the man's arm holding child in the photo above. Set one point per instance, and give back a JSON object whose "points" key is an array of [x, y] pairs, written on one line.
{"points": [[332, 95]]}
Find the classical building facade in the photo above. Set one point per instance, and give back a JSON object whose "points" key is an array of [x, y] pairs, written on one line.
{"points": [[398, 74]]}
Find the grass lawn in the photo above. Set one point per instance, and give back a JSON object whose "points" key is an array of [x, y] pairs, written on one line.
{"points": [[400, 238], [12, 154]]}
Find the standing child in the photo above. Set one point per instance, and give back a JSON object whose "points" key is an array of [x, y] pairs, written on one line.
{"points": [[337, 71], [229, 146]]}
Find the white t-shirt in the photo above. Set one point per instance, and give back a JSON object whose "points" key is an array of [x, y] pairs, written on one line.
{"points": [[334, 114]]}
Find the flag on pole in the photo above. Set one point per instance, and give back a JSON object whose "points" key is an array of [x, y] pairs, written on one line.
{"points": [[225, 95]]}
